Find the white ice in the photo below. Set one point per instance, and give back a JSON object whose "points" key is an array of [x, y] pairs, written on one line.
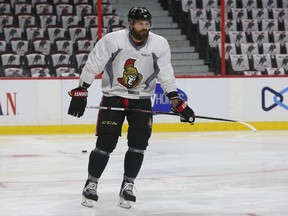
{"points": [[193, 173]]}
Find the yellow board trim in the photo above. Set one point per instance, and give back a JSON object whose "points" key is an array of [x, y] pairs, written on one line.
{"points": [[157, 127]]}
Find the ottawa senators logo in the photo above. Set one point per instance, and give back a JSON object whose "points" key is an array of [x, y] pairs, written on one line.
{"points": [[131, 78]]}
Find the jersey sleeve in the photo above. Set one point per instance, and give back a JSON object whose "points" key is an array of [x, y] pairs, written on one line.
{"points": [[97, 59], [166, 76]]}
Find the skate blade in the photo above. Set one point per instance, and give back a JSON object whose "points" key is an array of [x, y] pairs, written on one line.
{"points": [[124, 203], [87, 202]]}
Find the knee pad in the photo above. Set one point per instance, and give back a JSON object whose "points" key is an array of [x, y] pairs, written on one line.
{"points": [[135, 150], [107, 142]]}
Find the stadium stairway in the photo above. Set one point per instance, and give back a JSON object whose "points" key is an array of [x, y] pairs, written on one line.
{"points": [[185, 59]]}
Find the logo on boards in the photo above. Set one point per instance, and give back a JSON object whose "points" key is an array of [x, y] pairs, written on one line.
{"points": [[160, 101], [277, 97]]}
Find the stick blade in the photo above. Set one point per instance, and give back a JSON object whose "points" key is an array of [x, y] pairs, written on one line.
{"points": [[248, 125]]}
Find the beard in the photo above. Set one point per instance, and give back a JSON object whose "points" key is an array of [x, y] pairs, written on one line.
{"points": [[140, 35]]}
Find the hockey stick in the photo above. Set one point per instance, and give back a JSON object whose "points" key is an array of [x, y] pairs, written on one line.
{"points": [[169, 113]]}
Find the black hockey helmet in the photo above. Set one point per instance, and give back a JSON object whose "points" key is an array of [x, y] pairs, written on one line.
{"points": [[139, 13]]}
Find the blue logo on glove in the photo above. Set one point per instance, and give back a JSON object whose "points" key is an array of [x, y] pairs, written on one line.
{"points": [[160, 101]]}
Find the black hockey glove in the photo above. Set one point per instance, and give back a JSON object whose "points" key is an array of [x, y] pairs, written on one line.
{"points": [[185, 112], [78, 102]]}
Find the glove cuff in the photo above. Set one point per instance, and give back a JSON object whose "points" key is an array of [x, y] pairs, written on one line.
{"points": [[80, 92], [182, 105], [83, 84], [172, 95]]}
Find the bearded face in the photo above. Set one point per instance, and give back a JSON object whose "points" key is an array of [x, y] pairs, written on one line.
{"points": [[139, 34], [140, 29]]}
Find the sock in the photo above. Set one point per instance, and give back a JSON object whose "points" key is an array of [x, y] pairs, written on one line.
{"points": [[132, 164], [97, 164]]}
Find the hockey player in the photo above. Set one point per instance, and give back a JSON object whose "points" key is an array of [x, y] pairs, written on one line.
{"points": [[131, 60]]}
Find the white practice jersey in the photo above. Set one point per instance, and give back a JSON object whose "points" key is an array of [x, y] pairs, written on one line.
{"points": [[130, 71]]}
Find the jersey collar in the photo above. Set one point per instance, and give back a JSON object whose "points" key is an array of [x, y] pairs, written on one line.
{"points": [[134, 44]]}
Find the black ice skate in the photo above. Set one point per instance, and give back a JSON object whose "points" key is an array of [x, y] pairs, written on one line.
{"points": [[126, 195], [89, 194]]}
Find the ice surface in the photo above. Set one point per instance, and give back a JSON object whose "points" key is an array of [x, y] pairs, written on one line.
{"points": [[193, 173]]}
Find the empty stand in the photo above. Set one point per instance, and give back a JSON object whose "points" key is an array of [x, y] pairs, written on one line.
{"points": [[48, 26], [47, 19], [271, 48], [71, 26], [25, 19], [65, 70], [281, 38], [93, 32], [33, 32], [204, 26], [90, 20], [65, 45], [197, 14], [214, 38], [34, 58], [19, 46], [188, 4], [249, 25], [110, 19], [11, 64], [249, 49], [282, 61], [56, 60], [248, 4], [3, 45], [75, 32], [261, 62], [237, 37], [13, 71], [43, 8], [269, 4], [11, 31], [22, 8], [82, 9], [209, 4], [42, 44], [250, 73], [5, 8], [260, 37], [10, 58], [229, 4], [84, 44], [255, 27], [274, 71], [238, 14], [230, 49], [280, 14], [259, 14], [81, 58], [39, 71], [69, 20], [63, 9], [269, 25], [231, 25], [55, 32], [238, 64]]}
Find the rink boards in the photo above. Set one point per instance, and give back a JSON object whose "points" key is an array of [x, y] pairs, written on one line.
{"points": [[40, 106]]}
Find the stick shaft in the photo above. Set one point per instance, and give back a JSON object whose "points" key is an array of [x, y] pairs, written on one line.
{"points": [[168, 113], [130, 110], [155, 112]]}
